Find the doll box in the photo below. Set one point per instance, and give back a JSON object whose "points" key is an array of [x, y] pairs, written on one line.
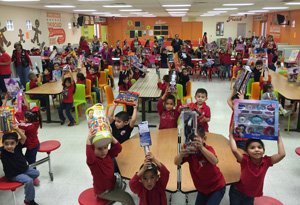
{"points": [[144, 131], [256, 119], [189, 121]]}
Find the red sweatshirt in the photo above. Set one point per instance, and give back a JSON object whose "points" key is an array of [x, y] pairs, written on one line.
{"points": [[157, 195], [102, 169], [168, 119], [31, 132], [227, 59], [125, 87], [163, 87]]}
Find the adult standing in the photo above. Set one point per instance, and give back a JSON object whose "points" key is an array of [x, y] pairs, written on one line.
{"points": [[204, 39], [106, 54], [96, 44], [22, 62], [270, 43], [135, 43], [125, 48], [5, 71], [83, 45], [176, 43]]}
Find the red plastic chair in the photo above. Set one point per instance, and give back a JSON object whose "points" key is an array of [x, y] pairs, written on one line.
{"points": [[266, 200], [88, 197], [297, 150], [8, 185]]}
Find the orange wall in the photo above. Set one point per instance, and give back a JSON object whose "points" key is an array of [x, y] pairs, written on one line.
{"points": [[117, 27], [288, 34]]}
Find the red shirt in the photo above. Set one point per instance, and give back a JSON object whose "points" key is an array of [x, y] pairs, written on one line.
{"points": [[204, 39], [67, 94], [125, 87], [18, 58], [163, 87], [136, 76], [270, 57], [168, 119], [102, 169], [92, 77], [270, 44], [227, 59], [20, 115], [5, 69], [31, 134], [221, 56], [253, 175], [80, 82], [205, 110], [155, 196], [32, 84], [84, 46], [146, 62], [207, 178]]}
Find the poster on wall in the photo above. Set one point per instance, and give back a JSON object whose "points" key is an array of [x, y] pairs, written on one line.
{"points": [[57, 34], [275, 31], [150, 32]]}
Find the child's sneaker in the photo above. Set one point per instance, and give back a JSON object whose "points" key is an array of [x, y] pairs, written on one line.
{"points": [[63, 121], [36, 182], [71, 124], [286, 113], [30, 202]]}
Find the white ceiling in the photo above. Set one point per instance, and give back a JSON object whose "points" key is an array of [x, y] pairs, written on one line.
{"points": [[198, 7]]}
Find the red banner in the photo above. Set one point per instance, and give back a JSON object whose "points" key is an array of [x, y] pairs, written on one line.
{"points": [[58, 32]]}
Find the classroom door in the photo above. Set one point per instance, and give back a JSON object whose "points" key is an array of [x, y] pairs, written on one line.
{"points": [[192, 31], [241, 29]]}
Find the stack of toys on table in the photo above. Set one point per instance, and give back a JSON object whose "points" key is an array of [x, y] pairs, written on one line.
{"points": [[128, 98], [7, 115]]}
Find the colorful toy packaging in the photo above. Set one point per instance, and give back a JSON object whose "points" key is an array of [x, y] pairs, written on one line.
{"points": [[128, 98], [189, 121], [292, 74], [136, 62], [173, 80], [56, 74], [12, 85], [256, 119], [146, 51], [242, 79], [7, 115], [145, 137], [191, 107], [97, 120]]}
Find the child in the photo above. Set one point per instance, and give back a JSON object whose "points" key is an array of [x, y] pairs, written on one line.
{"points": [[34, 82], [168, 115], [217, 64], [201, 97], [99, 160], [152, 61], [253, 169], [270, 58], [14, 163], [257, 71], [47, 76], [227, 63], [70, 63], [237, 68], [164, 59], [199, 51], [148, 185], [204, 67], [164, 84], [183, 78], [268, 94], [92, 75], [19, 115], [239, 57], [279, 66], [57, 59], [136, 73], [146, 61], [207, 177], [124, 85], [67, 99], [80, 79], [156, 47]]}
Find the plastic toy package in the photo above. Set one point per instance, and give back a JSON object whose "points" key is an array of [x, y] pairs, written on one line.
{"points": [[56, 74], [128, 98], [125, 60], [173, 80], [13, 85], [191, 107], [7, 115], [189, 121], [256, 119], [242, 79], [292, 74], [96, 119], [146, 51], [137, 63]]}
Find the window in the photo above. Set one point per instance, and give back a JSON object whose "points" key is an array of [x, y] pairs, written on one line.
{"points": [[157, 27], [9, 25], [28, 25], [164, 27], [137, 24], [164, 32], [69, 25], [161, 30], [157, 32], [294, 23]]}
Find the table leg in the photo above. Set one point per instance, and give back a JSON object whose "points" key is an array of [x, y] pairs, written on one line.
{"points": [[48, 111], [282, 101], [298, 124]]}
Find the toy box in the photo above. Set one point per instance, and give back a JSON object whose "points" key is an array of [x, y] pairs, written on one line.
{"points": [[191, 107], [292, 74], [13, 86], [128, 98], [189, 121], [7, 115], [240, 47], [257, 119], [144, 131], [56, 74], [173, 81], [137, 63], [146, 51], [242, 79], [294, 57]]}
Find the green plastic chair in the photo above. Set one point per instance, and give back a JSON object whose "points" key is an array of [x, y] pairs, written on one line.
{"points": [[133, 81], [94, 96], [79, 98], [180, 93], [249, 85], [238, 73], [282, 72], [106, 75], [29, 100]]}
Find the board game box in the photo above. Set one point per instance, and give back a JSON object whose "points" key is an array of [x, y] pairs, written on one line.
{"points": [[128, 98]]}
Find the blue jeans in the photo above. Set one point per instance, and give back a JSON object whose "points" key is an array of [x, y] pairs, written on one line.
{"points": [[164, 65], [96, 90], [23, 74], [240, 144], [31, 154], [227, 70], [68, 107], [238, 198], [213, 198], [27, 179]]}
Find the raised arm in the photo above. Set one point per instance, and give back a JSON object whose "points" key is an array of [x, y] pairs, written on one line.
{"points": [[207, 154], [179, 157], [133, 118], [22, 135], [111, 113], [233, 146], [281, 152]]}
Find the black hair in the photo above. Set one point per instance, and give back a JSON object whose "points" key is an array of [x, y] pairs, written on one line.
{"points": [[18, 44], [10, 136], [258, 63], [170, 97], [205, 33], [147, 42], [166, 78], [123, 75], [164, 49], [68, 59], [69, 80], [249, 141], [278, 63], [155, 41], [235, 96], [33, 116], [105, 42], [266, 87], [55, 64], [31, 75], [269, 51], [240, 62], [186, 69], [152, 169], [66, 49], [80, 76], [200, 131], [204, 56], [124, 116], [201, 90]]}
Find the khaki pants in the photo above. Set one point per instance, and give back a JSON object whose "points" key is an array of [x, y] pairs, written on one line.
{"points": [[117, 194]]}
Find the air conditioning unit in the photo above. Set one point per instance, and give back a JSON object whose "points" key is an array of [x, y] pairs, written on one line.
{"points": [[100, 20]]}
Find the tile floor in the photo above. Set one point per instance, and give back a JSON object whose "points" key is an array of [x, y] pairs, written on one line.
{"points": [[72, 176]]}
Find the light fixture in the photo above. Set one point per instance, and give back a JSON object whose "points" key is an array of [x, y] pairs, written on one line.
{"points": [[129, 10], [270, 8], [84, 10], [237, 15], [292, 3], [177, 5], [177, 9], [96, 0], [207, 15], [138, 13], [177, 12], [112, 15], [100, 13], [258, 11], [216, 12], [19, 0], [149, 15], [246, 13], [117, 6], [224, 9], [242, 4], [59, 6]]}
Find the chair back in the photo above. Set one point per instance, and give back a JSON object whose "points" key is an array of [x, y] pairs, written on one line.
{"points": [[27, 86], [255, 91], [180, 91], [79, 94], [102, 79], [88, 85], [282, 59], [133, 81], [110, 70], [275, 91], [189, 88], [282, 72], [249, 85], [109, 94], [233, 71]]}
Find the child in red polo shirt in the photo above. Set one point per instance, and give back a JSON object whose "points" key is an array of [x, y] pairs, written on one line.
{"points": [[253, 169], [80, 79], [227, 62], [168, 115], [148, 185], [206, 176], [164, 84], [34, 82], [99, 160], [201, 97], [92, 75]]}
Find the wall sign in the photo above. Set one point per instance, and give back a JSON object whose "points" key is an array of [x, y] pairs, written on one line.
{"points": [[57, 34], [232, 18]]}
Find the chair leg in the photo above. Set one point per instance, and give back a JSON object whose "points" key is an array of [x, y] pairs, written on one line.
{"points": [[76, 114], [79, 110], [289, 120], [50, 170], [14, 196], [53, 102], [102, 94], [92, 101]]}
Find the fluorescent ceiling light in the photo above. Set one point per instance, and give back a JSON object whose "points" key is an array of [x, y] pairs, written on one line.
{"points": [[149, 16], [177, 5], [177, 12], [236, 15], [243, 4], [112, 14], [117, 6], [224, 9], [96, 0], [270, 8], [138, 13], [101, 13], [19, 0], [177, 9], [216, 12], [258, 11], [59, 6], [248, 13], [130, 10], [207, 15], [83, 10], [292, 3]]}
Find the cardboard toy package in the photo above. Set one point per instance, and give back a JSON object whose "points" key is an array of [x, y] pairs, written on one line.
{"points": [[173, 81], [7, 115], [128, 98], [242, 79], [13, 85], [189, 121]]}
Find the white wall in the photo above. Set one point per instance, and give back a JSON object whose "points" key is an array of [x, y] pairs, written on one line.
{"points": [[19, 16], [230, 28]]}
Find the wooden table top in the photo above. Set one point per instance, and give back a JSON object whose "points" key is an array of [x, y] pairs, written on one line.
{"points": [[164, 147], [290, 90], [147, 87], [228, 164]]}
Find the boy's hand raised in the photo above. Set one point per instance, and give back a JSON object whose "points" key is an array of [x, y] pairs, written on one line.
{"points": [[183, 152], [198, 142], [92, 134]]}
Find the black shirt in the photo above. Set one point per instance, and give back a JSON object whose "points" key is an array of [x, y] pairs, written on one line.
{"points": [[164, 58], [14, 163], [122, 134], [176, 45], [257, 74], [183, 79]]}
